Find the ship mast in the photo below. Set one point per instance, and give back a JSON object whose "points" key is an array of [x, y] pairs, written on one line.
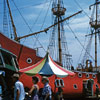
{"points": [[95, 26], [59, 11], [13, 25], [58, 44], [44, 30]]}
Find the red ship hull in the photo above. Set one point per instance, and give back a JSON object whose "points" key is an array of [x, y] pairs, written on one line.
{"points": [[73, 86]]}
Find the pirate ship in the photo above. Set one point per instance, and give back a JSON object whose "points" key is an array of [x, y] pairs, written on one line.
{"points": [[86, 78]]}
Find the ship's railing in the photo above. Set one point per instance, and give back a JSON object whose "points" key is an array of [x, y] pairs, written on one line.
{"points": [[57, 11]]}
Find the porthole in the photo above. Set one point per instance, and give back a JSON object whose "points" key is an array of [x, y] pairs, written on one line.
{"points": [[94, 76], [79, 74], [29, 60], [59, 83], [75, 86], [87, 75], [96, 86]]}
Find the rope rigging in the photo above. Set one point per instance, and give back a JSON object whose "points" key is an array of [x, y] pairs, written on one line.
{"points": [[5, 20], [35, 42], [27, 24], [46, 14], [44, 17], [82, 9], [58, 39], [79, 41], [24, 7], [79, 60], [88, 48], [45, 30]]}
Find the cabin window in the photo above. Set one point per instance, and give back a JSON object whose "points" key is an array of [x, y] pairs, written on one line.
{"points": [[87, 75], [29, 60], [75, 86], [59, 83], [7, 58], [79, 74], [94, 76]]}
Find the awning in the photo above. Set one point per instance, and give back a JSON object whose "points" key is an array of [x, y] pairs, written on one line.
{"points": [[46, 67]]}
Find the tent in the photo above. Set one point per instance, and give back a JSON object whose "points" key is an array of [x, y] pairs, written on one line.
{"points": [[46, 67]]}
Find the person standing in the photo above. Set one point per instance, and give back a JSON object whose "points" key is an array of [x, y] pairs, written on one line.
{"points": [[35, 89], [59, 94], [19, 93], [46, 92]]}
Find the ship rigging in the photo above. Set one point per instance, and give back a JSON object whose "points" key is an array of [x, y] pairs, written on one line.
{"points": [[86, 80], [61, 53], [95, 31]]}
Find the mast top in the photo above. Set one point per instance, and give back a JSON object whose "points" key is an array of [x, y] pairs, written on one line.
{"points": [[58, 8], [95, 20]]}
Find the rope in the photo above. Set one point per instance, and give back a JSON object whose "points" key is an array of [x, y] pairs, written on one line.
{"points": [[44, 18], [82, 9], [80, 42], [81, 52], [82, 48], [39, 14], [24, 7], [27, 24], [46, 15]]}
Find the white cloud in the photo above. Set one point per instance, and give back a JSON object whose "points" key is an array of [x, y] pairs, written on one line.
{"points": [[44, 6], [79, 23], [30, 16]]}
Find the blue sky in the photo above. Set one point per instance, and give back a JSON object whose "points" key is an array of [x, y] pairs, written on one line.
{"points": [[38, 15]]}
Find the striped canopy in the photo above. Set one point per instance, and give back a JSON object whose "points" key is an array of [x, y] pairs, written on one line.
{"points": [[46, 67]]}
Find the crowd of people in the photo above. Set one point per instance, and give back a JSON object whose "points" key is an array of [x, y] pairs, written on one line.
{"points": [[34, 93]]}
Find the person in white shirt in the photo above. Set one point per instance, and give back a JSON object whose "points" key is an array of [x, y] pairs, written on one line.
{"points": [[19, 93]]}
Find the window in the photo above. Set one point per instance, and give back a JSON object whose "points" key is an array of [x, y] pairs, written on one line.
{"points": [[29, 60], [75, 86], [94, 76], [87, 75], [7, 58], [59, 83], [79, 74], [96, 86]]}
